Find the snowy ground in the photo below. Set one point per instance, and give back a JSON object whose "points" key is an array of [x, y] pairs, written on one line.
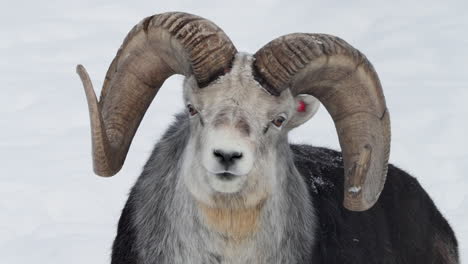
{"points": [[54, 210]]}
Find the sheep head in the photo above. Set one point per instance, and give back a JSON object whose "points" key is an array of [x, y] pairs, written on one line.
{"points": [[241, 104]]}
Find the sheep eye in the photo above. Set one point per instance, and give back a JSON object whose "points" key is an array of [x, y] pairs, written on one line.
{"points": [[278, 121], [192, 111]]}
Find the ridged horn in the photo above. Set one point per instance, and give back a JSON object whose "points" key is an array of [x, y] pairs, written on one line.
{"points": [[156, 48], [347, 85]]}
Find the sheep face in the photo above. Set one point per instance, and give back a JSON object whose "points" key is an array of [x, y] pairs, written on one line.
{"points": [[236, 130]]}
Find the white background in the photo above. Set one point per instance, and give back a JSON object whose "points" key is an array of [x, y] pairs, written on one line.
{"points": [[52, 207]]}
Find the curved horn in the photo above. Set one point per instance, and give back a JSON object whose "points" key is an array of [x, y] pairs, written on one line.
{"points": [[158, 47], [347, 85]]}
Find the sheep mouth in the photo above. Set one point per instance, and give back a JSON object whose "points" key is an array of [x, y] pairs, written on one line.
{"points": [[226, 176]]}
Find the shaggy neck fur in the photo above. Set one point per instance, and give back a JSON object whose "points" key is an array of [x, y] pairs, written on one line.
{"points": [[236, 224], [173, 227]]}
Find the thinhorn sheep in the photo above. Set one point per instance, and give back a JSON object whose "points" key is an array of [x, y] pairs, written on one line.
{"points": [[223, 185]]}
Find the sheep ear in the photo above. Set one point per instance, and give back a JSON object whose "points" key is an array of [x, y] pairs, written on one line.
{"points": [[306, 107]]}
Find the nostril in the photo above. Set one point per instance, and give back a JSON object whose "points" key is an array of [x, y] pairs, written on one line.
{"points": [[236, 155], [218, 154]]}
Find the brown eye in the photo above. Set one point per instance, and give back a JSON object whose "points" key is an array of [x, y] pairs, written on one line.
{"points": [[278, 121], [192, 111]]}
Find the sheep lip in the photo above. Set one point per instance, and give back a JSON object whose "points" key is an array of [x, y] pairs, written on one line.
{"points": [[225, 176]]}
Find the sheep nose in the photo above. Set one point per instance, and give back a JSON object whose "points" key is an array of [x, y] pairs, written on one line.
{"points": [[227, 158]]}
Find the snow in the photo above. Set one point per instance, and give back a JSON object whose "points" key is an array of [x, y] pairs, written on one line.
{"points": [[354, 189], [52, 207]]}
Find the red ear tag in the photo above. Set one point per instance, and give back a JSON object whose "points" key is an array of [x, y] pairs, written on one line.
{"points": [[301, 107]]}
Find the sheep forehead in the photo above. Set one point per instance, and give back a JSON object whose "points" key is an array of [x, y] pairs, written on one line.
{"points": [[238, 91]]}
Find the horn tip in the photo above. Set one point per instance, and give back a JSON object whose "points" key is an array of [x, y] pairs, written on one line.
{"points": [[358, 204], [103, 174], [80, 68], [103, 171]]}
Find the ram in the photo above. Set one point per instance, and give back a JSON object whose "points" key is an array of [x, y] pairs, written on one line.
{"points": [[223, 185]]}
